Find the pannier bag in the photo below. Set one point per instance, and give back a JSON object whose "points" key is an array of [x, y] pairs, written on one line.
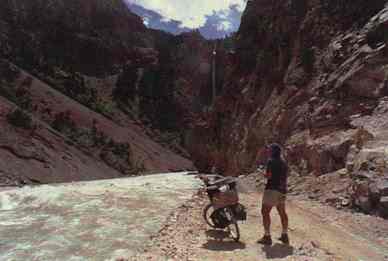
{"points": [[219, 218], [240, 212], [224, 199]]}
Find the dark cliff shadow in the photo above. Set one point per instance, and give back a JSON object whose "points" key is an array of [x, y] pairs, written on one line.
{"points": [[219, 240], [278, 251]]}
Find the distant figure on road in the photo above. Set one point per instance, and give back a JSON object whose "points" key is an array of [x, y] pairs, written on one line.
{"points": [[275, 194]]}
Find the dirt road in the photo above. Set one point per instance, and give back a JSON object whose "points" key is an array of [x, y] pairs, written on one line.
{"points": [[317, 233]]}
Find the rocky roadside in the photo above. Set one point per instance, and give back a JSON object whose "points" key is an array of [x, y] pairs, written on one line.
{"points": [[318, 233]]}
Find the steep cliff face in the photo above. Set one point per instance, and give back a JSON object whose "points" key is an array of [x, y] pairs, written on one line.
{"points": [[169, 95], [310, 75], [168, 91]]}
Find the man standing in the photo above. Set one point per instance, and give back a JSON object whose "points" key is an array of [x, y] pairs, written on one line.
{"points": [[275, 194]]}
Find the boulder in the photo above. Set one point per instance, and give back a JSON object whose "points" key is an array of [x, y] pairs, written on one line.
{"points": [[374, 159], [383, 207], [360, 196], [364, 203], [364, 175], [323, 155], [367, 82], [374, 194], [382, 188]]}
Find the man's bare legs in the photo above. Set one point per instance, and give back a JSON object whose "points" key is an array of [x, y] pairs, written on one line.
{"points": [[283, 216], [266, 213], [284, 219]]}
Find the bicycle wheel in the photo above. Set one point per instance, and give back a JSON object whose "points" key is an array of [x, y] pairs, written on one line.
{"points": [[233, 229], [207, 211]]}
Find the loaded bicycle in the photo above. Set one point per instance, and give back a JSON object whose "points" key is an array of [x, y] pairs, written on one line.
{"points": [[224, 210]]}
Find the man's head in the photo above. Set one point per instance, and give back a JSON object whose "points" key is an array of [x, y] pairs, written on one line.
{"points": [[274, 151]]}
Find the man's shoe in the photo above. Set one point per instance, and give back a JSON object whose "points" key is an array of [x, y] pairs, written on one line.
{"points": [[284, 238], [265, 240]]}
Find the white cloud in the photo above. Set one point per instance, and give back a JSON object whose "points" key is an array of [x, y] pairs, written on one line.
{"points": [[146, 21], [191, 13], [223, 14], [224, 26]]}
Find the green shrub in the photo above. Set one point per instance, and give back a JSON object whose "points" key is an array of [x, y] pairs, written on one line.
{"points": [[119, 156], [99, 138], [105, 108], [20, 119], [308, 59], [8, 71], [20, 96], [63, 122]]}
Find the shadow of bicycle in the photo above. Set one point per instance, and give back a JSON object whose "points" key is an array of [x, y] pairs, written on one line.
{"points": [[219, 240]]}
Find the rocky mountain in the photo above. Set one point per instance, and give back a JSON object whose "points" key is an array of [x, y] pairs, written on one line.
{"points": [[87, 91], [312, 76], [218, 25]]}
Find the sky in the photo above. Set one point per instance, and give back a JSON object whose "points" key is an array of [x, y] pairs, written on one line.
{"points": [[213, 18]]}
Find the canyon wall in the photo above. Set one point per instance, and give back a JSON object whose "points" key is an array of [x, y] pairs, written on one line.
{"points": [[313, 77]]}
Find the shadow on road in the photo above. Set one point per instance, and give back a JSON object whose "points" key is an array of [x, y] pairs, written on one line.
{"points": [[217, 243], [278, 251], [217, 234]]}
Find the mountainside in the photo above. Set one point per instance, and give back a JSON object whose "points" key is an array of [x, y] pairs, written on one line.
{"points": [[312, 76], [89, 78], [107, 87], [89, 37]]}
